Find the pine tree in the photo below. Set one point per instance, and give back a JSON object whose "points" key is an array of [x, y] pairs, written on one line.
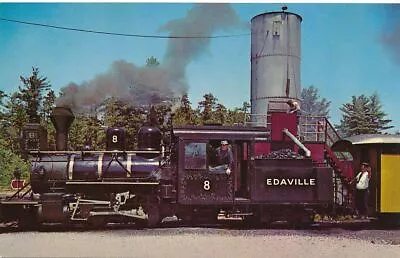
{"points": [[86, 131], [3, 95], [376, 115], [3, 115], [113, 113], [16, 117], [48, 105], [47, 108], [34, 86], [363, 115], [238, 115], [220, 114], [152, 61], [208, 106], [184, 114], [312, 104]]}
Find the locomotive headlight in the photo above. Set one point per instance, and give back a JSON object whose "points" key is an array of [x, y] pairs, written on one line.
{"points": [[228, 171]]}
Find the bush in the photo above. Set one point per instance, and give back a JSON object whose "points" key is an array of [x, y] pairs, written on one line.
{"points": [[9, 163]]}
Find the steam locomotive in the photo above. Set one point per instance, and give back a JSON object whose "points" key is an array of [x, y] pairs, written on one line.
{"points": [[179, 179], [285, 165]]}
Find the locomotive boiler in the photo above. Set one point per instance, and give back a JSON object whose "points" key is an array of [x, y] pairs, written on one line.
{"points": [[57, 168]]}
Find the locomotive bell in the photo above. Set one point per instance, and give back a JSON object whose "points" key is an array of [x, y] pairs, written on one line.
{"points": [[62, 119]]}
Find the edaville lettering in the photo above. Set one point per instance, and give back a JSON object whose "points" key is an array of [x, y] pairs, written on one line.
{"points": [[291, 181]]}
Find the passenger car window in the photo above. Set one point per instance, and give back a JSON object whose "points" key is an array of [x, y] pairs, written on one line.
{"points": [[195, 155]]}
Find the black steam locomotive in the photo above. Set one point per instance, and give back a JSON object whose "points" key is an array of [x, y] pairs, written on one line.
{"points": [[157, 181]]}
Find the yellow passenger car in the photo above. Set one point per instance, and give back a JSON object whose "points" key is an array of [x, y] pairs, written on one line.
{"points": [[382, 152]]}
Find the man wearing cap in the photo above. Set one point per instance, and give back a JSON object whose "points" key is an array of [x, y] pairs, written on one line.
{"points": [[362, 183], [225, 155]]}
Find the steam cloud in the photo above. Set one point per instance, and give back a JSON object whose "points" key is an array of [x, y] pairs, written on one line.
{"points": [[391, 35], [145, 85]]}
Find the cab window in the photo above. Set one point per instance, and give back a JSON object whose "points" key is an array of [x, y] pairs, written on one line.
{"points": [[195, 155]]}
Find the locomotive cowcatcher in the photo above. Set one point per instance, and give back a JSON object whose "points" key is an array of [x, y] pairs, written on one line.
{"points": [[161, 180]]}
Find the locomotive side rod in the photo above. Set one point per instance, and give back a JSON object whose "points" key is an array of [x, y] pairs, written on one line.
{"points": [[134, 213]]}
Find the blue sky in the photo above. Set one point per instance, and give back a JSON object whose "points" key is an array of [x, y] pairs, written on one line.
{"points": [[342, 50]]}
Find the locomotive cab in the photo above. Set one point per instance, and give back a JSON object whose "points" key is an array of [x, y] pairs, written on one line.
{"points": [[202, 180], [264, 187]]}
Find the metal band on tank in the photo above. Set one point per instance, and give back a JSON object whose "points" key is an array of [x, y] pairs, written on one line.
{"points": [[100, 165], [71, 167], [129, 164]]}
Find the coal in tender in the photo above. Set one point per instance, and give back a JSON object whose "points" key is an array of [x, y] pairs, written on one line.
{"points": [[283, 154]]}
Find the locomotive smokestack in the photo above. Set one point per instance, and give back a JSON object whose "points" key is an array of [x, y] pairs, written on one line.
{"points": [[62, 119]]}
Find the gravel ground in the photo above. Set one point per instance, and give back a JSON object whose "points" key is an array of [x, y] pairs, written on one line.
{"points": [[202, 242]]}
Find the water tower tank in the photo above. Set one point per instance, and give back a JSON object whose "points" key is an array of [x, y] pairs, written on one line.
{"points": [[275, 61]]}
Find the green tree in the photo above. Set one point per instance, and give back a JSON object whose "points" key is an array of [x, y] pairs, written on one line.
{"points": [[48, 105], [113, 112], [377, 117], [9, 163], [243, 113], [152, 61], [3, 95], [312, 104], [34, 87], [86, 130], [220, 114], [120, 114], [23, 104], [158, 113], [184, 114], [238, 116], [15, 118], [207, 108], [135, 119], [363, 115], [3, 115]]}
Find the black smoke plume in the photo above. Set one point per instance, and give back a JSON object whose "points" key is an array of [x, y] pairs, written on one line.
{"points": [[147, 85]]}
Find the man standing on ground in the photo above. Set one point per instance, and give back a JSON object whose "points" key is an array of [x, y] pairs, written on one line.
{"points": [[362, 184]]}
